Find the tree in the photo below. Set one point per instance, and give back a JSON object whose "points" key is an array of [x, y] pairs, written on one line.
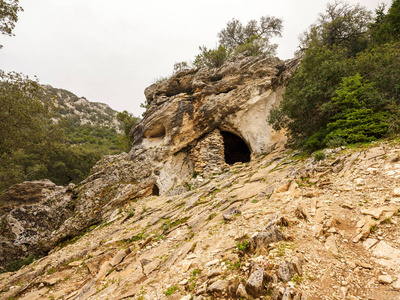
{"points": [[253, 37], [357, 117], [313, 84], [342, 25], [128, 120], [8, 16], [386, 27], [22, 112]]}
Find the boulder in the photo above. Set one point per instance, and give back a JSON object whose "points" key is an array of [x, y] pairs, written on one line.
{"points": [[255, 283], [230, 213], [263, 239]]}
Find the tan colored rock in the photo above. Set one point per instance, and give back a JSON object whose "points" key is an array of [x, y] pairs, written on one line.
{"points": [[118, 257], [330, 245], [395, 192], [319, 216], [75, 263], [301, 211], [369, 243], [374, 212], [219, 286], [385, 279]]}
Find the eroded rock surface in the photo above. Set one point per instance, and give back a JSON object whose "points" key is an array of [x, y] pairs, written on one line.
{"points": [[181, 245], [197, 124]]}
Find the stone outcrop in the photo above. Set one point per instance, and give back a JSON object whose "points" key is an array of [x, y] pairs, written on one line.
{"points": [[195, 244], [210, 117], [198, 123], [30, 212]]}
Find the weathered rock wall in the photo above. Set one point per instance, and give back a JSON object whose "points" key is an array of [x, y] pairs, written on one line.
{"points": [[185, 109], [180, 134]]}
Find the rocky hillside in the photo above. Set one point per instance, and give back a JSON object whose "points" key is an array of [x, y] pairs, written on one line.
{"points": [[209, 205], [278, 227], [68, 104]]}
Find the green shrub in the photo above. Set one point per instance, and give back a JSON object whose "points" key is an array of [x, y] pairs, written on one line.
{"points": [[15, 265], [212, 58], [242, 246], [319, 155], [170, 291]]}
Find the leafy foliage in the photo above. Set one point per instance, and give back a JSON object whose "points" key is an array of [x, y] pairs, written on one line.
{"points": [[212, 58], [339, 96], [8, 16], [22, 112], [250, 39], [33, 147], [386, 27], [357, 117], [128, 121], [15, 265], [313, 84], [253, 37], [181, 66], [341, 25]]}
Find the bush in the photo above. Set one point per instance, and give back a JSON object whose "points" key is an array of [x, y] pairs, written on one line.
{"points": [[170, 291], [212, 58], [319, 155], [15, 265]]}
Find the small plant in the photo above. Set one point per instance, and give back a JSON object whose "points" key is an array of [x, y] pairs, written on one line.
{"points": [[310, 277], [160, 79], [188, 186], [137, 237], [242, 246], [212, 216], [386, 221], [170, 290], [297, 279], [373, 228], [51, 271], [319, 155], [196, 271]]}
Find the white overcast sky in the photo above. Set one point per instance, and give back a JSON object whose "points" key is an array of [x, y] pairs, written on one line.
{"points": [[110, 51]]}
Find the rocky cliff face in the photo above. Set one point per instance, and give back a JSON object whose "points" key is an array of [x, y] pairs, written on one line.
{"points": [[202, 120], [198, 123], [208, 206]]}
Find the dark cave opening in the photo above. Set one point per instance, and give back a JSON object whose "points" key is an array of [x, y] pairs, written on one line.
{"points": [[235, 149], [155, 191]]}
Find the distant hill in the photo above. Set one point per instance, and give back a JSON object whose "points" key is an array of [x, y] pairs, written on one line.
{"points": [[67, 104], [78, 134]]}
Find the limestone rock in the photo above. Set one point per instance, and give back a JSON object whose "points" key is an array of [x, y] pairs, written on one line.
{"points": [[241, 291], [331, 245], [385, 279], [219, 286], [255, 283], [230, 213], [286, 271], [263, 239]]}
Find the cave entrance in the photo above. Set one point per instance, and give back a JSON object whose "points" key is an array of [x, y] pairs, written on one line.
{"points": [[235, 148], [155, 190]]}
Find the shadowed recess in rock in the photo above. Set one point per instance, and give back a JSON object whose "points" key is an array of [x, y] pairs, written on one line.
{"points": [[235, 149], [156, 131], [155, 191]]}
